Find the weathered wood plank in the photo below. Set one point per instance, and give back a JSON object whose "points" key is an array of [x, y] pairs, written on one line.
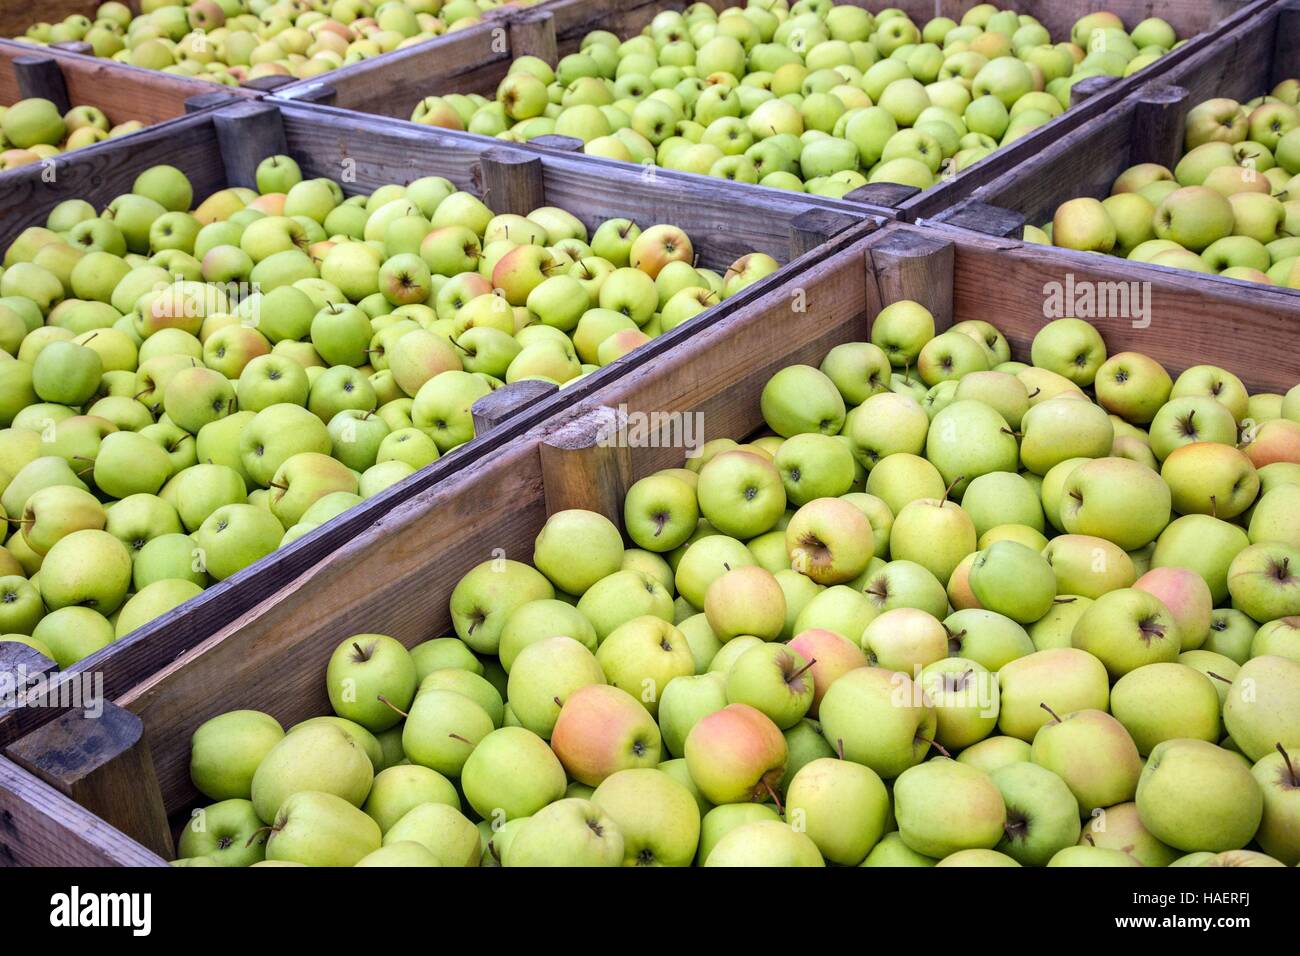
{"points": [[39, 826]]}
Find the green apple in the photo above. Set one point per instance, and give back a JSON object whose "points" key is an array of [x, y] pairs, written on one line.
{"points": [[544, 674], [1193, 795], [569, 832], [943, 806], [657, 816], [1042, 813], [1260, 711], [1093, 753], [368, 676], [398, 790]]}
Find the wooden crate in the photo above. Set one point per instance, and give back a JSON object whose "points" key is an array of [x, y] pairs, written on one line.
{"points": [[1242, 63], [222, 147], [273, 657], [393, 85], [462, 46], [123, 92]]}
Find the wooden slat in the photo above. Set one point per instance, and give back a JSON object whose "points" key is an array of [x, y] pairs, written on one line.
{"points": [[1193, 319], [41, 827], [98, 757]]}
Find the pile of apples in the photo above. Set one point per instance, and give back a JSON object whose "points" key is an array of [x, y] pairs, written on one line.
{"points": [[182, 392], [230, 41], [1230, 207], [949, 609], [812, 96], [33, 129]]}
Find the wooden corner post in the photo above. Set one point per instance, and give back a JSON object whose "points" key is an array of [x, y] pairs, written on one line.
{"points": [[247, 133], [532, 33], [512, 181], [586, 464], [910, 265], [102, 761], [495, 408], [41, 77], [1158, 119]]}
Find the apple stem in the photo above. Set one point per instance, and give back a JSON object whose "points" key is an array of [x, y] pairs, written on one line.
{"points": [[772, 793], [1012, 432], [948, 490], [361, 655], [1043, 704], [255, 834], [461, 739], [1214, 506], [795, 676], [936, 745], [839, 746], [279, 486], [1064, 600], [1290, 767], [388, 703], [1034, 392], [1219, 677], [558, 702], [1091, 841], [726, 565]]}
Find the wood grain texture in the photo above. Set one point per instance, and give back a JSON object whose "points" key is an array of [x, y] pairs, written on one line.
{"points": [[101, 761], [1190, 319], [915, 266], [1158, 125], [497, 407], [512, 181], [40, 77], [39, 826], [586, 464], [248, 133]]}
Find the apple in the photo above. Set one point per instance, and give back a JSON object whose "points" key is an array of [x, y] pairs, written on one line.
{"points": [[1186, 596], [399, 789], [1093, 753], [1263, 581], [368, 676], [512, 773], [657, 816], [1194, 795], [943, 806], [1260, 710], [226, 750], [964, 694], [602, 729], [569, 832], [1042, 813], [440, 829], [1012, 579], [1276, 774], [1116, 499], [322, 758], [569, 533], [745, 601], [735, 755]]}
